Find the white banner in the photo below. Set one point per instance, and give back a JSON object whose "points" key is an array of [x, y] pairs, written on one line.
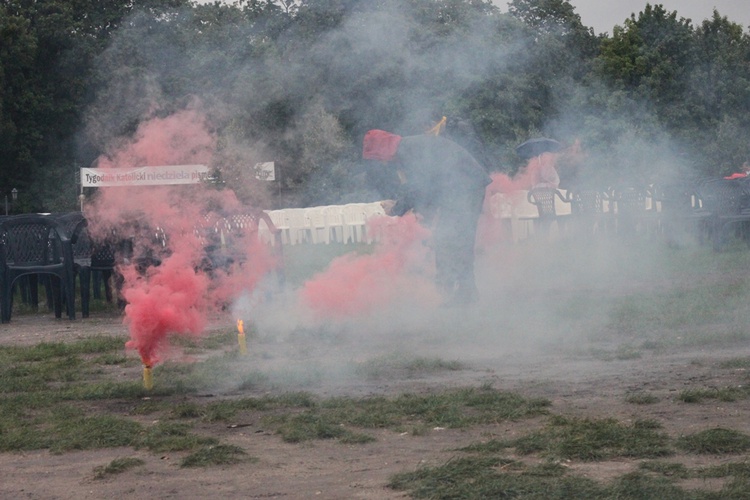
{"points": [[265, 171], [144, 176]]}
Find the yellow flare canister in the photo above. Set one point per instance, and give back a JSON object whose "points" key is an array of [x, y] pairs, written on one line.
{"points": [[241, 336], [243, 343], [148, 378]]}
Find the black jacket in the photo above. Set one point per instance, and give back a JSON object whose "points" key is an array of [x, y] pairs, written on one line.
{"points": [[440, 175]]}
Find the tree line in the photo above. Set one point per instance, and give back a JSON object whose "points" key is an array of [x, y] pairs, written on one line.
{"points": [[299, 82]]}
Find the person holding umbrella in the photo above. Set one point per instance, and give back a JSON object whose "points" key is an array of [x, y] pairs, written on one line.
{"points": [[442, 182], [541, 171]]}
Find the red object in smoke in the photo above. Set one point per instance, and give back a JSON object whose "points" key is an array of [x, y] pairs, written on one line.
{"points": [[738, 175], [359, 284], [380, 145], [169, 300]]}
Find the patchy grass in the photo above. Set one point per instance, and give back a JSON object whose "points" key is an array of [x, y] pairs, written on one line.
{"points": [[715, 441], [669, 469], [641, 398], [117, 466], [62, 397], [495, 476], [55, 397], [736, 364], [732, 469], [452, 409], [46, 393], [308, 426], [222, 454], [479, 477], [491, 475], [79, 432], [171, 436], [400, 365], [587, 440], [726, 394]]}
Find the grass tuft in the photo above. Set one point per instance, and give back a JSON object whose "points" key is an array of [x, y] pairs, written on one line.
{"points": [[308, 426], [640, 398], [591, 440], [725, 394], [715, 441], [170, 436], [736, 469], [92, 432], [494, 477], [117, 466], [222, 454], [669, 469]]}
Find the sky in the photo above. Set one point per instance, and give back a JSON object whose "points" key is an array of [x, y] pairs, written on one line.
{"points": [[603, 15]]}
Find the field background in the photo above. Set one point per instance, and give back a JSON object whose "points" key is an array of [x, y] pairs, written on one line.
{"points": [[611, 369]]}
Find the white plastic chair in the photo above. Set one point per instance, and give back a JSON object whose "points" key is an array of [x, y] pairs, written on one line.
{"points": [[335, 222], [372, 209], [298, 225], [354, 220], [316, 222], [281, 221]]}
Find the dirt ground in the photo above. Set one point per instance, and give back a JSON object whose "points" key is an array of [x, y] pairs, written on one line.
{"points": [[577, 385]]}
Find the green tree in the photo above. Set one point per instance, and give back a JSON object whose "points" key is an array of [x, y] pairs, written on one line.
{"points": [[47, 53], [651, 57], [719, 87]]}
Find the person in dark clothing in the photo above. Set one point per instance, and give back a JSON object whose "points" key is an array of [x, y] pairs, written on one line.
{"points": [[443, 182], [463, 133]]}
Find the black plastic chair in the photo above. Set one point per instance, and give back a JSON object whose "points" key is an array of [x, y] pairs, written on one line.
{"points": [[35, 244], [681, 213], [587, 209], [544, 200], [628, 207], [724, 201], [95, 261], [103, 265], [74, 224]]}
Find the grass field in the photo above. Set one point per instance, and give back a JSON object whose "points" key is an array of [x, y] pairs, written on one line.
{"points": [[68, 396]]}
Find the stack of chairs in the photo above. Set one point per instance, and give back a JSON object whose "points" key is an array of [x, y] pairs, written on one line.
{"points": [[325, 224]]}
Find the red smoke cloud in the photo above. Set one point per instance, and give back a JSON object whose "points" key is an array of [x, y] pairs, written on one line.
{"points": [[180, 268], [358, 284], [178, 139], [170, 298], [539, 170], [246, 269]]}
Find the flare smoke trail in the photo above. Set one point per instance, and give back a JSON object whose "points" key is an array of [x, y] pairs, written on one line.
{"points": [[358, 284]]}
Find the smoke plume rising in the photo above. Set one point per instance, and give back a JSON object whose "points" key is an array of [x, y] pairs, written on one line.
{"points": [[366, 306]]}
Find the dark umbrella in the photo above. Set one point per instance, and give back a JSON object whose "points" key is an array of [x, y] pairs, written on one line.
{"points": [[535, 147]]}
